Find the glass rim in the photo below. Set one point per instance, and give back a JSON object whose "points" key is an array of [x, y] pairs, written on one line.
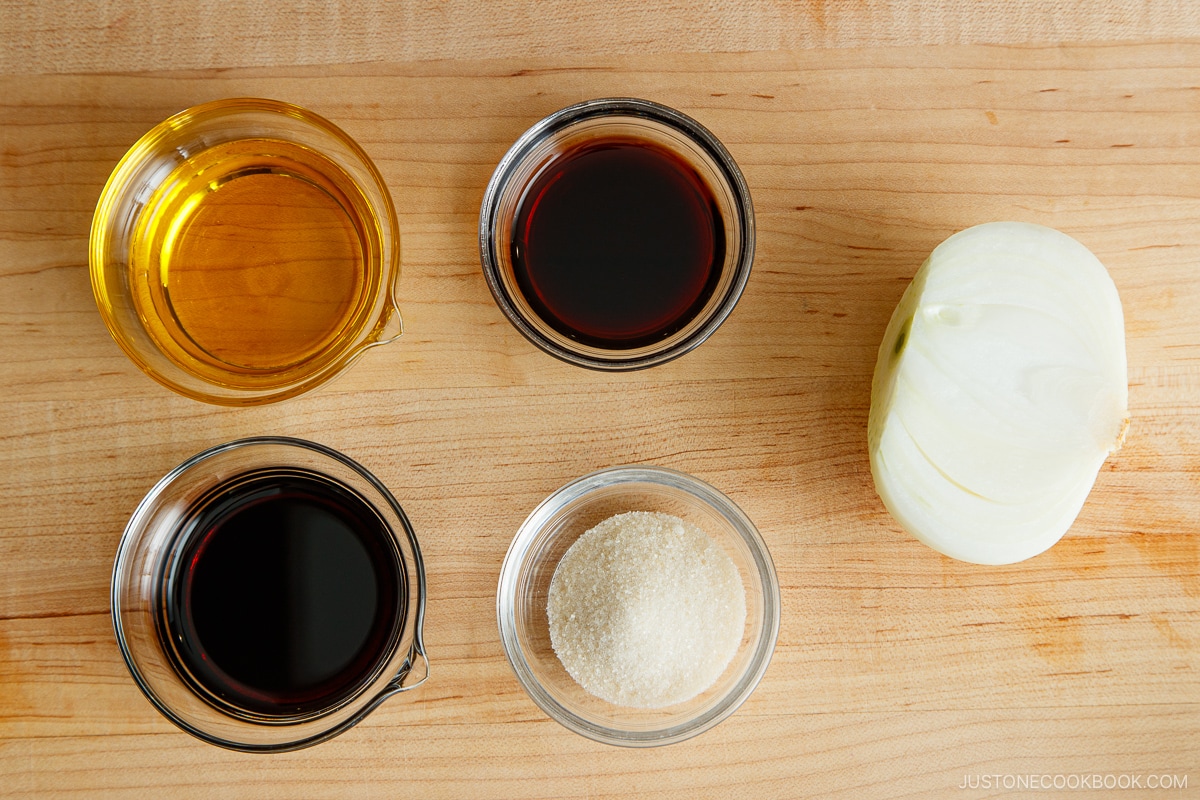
{"points": [[617, 107], [519, 550]]}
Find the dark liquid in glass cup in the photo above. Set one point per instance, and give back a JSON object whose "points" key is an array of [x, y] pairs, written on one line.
{"points": [[618, 243], [616, 234], [285, 597]]}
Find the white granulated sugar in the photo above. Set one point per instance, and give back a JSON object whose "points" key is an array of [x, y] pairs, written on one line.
{"points": [[646, 610]]}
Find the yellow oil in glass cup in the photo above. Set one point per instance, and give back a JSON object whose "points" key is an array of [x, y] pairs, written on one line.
{"points": [[245, 251]]}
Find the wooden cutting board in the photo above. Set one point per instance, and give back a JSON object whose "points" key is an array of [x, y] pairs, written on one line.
{"points": [[898, 672]]}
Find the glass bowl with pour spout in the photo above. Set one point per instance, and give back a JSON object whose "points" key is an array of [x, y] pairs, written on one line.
{"points": [[159, 547]]}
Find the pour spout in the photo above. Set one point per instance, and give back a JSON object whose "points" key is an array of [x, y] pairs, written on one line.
{"points": [[411, 674]]}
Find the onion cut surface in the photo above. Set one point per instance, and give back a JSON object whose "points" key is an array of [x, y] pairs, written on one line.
{"points": [[999, 391]]}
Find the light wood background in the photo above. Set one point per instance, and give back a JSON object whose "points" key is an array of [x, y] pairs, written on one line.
{"points": [[868, 132]]}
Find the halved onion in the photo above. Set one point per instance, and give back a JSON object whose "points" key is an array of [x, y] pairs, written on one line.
{"points": [[999, 391]]}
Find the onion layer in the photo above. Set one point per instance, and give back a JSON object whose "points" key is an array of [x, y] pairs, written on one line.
{"points": [[999, 391]]}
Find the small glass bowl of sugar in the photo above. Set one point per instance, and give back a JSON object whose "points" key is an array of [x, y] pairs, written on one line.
{"points": [[638, 606]]}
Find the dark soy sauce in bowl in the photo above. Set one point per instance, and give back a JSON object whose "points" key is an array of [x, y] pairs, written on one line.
{"points": [[617, 243], [285, 597]]}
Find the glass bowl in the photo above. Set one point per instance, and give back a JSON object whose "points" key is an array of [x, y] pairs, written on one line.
{"points": [[597, 122], [245, 251], [529, 567], [157, 537]]}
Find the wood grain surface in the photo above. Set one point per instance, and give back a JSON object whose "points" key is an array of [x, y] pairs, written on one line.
{"points": [[898, 672], [64, 36]]}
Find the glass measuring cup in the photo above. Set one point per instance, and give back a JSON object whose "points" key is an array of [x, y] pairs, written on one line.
{"points": [[152, 561], [245, 251]]}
